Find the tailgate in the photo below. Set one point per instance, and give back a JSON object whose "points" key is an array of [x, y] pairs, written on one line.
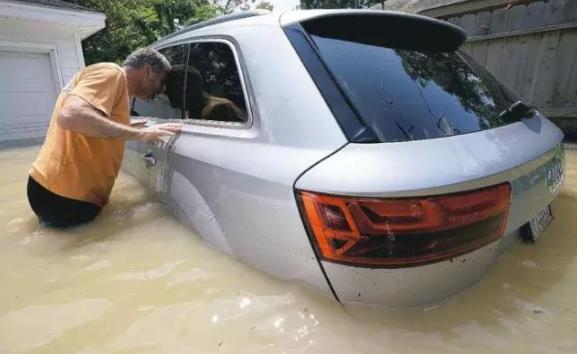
{"points": [[526, 154]]}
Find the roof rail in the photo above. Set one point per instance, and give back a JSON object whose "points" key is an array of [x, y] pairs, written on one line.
{"points": [[215, 21]]}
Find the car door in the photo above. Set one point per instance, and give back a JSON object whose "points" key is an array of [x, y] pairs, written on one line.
{"points": [[217, 126], [147, 160]]}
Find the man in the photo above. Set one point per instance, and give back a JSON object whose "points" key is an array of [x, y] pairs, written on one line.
{"points": [[72, 177]]}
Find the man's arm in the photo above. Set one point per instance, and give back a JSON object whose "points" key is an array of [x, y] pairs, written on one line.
{"points": [[80, 116]]}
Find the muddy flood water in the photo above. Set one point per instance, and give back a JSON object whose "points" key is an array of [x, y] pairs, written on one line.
{"points": [[137, 281]]}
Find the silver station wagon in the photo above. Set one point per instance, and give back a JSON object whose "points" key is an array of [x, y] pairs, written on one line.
{"points": [[359, 152]]}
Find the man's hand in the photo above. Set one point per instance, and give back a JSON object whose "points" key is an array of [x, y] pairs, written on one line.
{"points": [[157, 132]]}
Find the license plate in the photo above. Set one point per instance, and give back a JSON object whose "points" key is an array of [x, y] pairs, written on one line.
{"points": [[535, 228]]}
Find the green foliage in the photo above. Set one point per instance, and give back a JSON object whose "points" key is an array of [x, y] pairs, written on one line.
{"points": [[477, 92], [131, 24], [338, 4], [265, 5], [229, 6]]}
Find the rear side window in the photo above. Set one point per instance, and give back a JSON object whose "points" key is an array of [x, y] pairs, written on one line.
{"points": [[214, 91], [168, 103], [412, 94]]}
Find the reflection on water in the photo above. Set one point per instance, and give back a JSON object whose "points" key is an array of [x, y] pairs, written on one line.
{"points": [[137, 281]]}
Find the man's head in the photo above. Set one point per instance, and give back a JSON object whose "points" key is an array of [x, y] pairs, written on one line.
{"points": [[146, 70]]}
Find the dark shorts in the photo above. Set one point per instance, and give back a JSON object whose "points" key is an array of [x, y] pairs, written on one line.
{"points": [[58, 211]]}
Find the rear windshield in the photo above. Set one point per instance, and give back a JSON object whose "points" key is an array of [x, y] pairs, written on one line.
{"points": [[413, 95]]}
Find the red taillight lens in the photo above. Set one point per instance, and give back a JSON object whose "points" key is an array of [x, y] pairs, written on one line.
{"points": [[405, 232]]}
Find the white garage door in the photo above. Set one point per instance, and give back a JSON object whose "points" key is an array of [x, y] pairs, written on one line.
{"points": [[27, 96]]}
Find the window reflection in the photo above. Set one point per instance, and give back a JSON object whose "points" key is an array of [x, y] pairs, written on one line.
{"points": [[411, 95], [456, 77], [200, 104], [167, 104], [213, 87]]}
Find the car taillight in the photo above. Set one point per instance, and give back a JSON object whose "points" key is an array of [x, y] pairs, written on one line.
{"points": [[404, 232]]}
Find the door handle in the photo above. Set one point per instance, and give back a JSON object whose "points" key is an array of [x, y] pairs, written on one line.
{"points": [[149, 160]]}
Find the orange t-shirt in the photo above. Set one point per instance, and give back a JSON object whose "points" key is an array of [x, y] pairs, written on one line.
{"points": [[80, 167]]}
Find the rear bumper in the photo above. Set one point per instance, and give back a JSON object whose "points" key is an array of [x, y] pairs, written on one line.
{"points": [[417, 286]]}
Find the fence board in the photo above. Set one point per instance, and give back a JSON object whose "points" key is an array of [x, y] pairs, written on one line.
{"points": [[571, 91], [511, 63], [482, 23], [454, 20], [544, 77], [498, 21], [468, 23], [564, 64], [570, 13], [482, 52], [534, 16], [495, 57], [524, 55], [515, 18], [554, 12], [477, 51], [531, 47], [530, 71]]}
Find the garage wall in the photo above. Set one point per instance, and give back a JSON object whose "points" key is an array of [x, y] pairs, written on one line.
{"points": [[27, 94], [60, 36], [65, 55]]}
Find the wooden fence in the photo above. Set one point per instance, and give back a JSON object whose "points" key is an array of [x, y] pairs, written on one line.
{"points": [[533, 49]]}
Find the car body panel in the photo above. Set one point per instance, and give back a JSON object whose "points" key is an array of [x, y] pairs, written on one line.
{"points": [[134, 161], [434, 166], [416, 286], [234, 184]]}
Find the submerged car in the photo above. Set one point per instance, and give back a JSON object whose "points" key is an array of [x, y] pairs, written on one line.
{"points": [[357, 151]]}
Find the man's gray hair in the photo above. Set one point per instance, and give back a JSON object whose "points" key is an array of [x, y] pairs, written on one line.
{"points": [[147, 56]]}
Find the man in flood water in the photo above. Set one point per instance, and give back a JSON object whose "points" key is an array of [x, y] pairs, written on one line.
{"points": [[73, 175]]}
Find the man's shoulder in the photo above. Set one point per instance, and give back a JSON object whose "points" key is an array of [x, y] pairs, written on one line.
{"points": [[102, 73], [110, 68]]}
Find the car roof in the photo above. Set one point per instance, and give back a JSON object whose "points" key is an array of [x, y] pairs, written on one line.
{"points": [[215, 21]]}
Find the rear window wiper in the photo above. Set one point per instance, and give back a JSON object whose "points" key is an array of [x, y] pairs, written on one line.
{"points": [[517, 110]]}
